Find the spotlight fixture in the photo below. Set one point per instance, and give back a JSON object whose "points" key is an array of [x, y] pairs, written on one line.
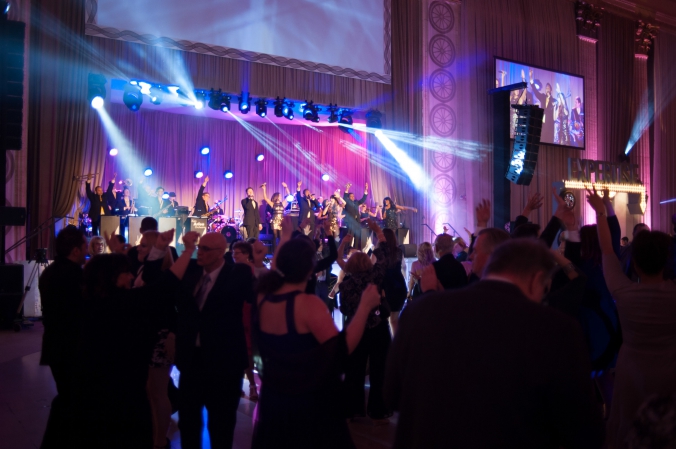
{"points": [[325, 177], [5, 7], [199, 100], [310, 112], [145, 87], [215, 100], [96, 92], [287, 111], [333, 117], [227, 174], [113, 152], [165, 196], [373, 119], [204, 151], [199, 174], [156, 94], [244, 103], [225, 103], [345, 119], [147, 172], [132, 97], [279, 107], [261, 107], [260, 157]]}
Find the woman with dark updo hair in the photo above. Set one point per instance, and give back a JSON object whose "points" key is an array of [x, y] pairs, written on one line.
{"points": [[301, 354]]}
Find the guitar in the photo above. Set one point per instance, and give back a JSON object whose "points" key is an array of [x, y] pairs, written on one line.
{"points": [[214, 209]]}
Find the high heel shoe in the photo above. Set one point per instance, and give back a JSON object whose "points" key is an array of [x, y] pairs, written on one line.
{"points": [[253, 394]]}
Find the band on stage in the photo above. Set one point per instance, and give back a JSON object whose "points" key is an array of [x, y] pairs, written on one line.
{"points": [[346, 213]]}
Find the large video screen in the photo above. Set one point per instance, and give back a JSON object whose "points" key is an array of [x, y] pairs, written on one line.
{"points": [[561, 95]]}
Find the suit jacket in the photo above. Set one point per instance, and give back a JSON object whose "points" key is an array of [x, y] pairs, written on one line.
{"points": [[120, 205], [352, 210], [516, 374], [200, 205], [97, 202], [219, 323], [62, 306], [252, 216], [306, 206]]}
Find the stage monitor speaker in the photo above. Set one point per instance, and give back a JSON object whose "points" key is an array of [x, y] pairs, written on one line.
{"points": [[134, 227], [409, 250], [167, 223], [12, 216], [634, 204], [110, 224], [526, 144], [12, 38], [196, 224], [11, 291], [402, 236]]}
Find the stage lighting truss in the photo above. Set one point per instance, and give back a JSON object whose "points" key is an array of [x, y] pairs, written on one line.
{"points": [[261, 107], [96, 91], [310, 111]]}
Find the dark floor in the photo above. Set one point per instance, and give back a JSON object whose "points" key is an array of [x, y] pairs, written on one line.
{"points": [[27, 389]]}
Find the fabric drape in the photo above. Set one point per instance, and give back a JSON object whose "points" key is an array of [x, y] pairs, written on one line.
{"points": [[664, 157], [57, 104], [538, 33]]}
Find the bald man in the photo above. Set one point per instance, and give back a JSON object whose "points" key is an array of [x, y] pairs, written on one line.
{"points": [[211, 349]]}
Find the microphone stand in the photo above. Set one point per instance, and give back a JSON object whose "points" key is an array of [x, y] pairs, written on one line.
{"points": [[454, 231]]}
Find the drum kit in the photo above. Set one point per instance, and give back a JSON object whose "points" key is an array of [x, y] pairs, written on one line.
{"points": [[230, 227]]}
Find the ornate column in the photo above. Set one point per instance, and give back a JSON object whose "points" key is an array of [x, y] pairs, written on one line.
{"points": [[588, 19], [640, 154], [440, 37]]}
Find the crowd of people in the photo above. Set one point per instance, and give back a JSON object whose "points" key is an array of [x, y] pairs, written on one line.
{"points": [[504, 342]]}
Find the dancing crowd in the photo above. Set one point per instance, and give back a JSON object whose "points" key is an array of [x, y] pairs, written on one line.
{"points": [[504, 342]]}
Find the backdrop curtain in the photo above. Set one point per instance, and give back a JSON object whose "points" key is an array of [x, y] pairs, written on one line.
{"points": [[664, 158], [538, 33], [57, 105]]}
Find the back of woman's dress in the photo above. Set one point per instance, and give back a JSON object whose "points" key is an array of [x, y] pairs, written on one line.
{"points": [[300, 403]]}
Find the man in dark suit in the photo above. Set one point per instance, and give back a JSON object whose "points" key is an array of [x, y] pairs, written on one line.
{"points": [[202, 200], [547, 103], [306, 204], [99, 202], [352, 214], [211, 349], [507, 372], [61, 295], [252, 217]]}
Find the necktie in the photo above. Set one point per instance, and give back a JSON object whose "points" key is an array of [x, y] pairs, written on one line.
{"points": [[201, 295]]}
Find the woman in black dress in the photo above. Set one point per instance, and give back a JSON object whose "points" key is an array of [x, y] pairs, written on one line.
{"points": [[301, 355], [389, 213]]}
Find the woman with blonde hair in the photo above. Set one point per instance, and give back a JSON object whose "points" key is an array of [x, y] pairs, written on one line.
{"points": [[97, 245], [425, 259]]}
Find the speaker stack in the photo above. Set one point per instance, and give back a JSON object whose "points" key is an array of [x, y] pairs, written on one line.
{"points": [[526, 144]]}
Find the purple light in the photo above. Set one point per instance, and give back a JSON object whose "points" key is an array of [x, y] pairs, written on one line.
{"points": [[260, 157]]}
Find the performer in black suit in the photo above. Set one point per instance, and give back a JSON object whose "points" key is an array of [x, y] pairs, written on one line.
{"points": [[98, 202], [202, 200], [577, 123], [306, 204], [252, 217], [161, 207], [211, 351], [352, 214], [61, 294], [543, 383], [547, 103]]}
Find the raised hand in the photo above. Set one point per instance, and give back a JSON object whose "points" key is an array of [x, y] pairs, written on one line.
{"points": [[523, 75], [534, 202], [373, 225], [190, 241], [306, 222], [113, 243], [530, 73], [483, 213], [283, 185], [287, 226], [595, 201], [366, 186], [298, 184], [114, 177], [445, 229], [347, 240], [206, 179], [164, 239]]}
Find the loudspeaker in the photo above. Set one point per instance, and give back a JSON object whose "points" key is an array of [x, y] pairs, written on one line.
{"points": [[165, 224], [634, 203], [11, 291], [12, 37], [409, 250], [402, 236], [196, 224], [110, 224], [12, 216], [526, 144]]}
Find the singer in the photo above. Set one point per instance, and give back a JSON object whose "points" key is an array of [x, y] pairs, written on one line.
{"points": [[252, 219]]}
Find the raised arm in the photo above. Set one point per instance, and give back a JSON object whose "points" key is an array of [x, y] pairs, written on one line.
{"points": [[366, 192], [88, 188], [373, 226], [265, 194], [347, 240], [404, 208]]}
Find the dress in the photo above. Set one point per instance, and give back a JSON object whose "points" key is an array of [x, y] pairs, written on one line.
{"points": [[300, 402], [277, 216], [390, 219], [332, 216], [646, 364]]}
